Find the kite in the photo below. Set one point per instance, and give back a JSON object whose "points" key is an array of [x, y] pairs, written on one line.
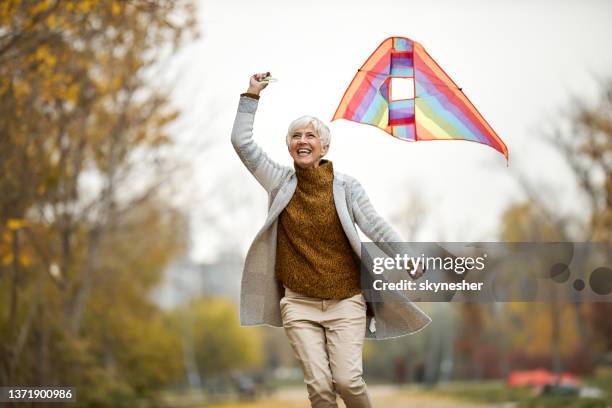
{"points": [[434, 109]]}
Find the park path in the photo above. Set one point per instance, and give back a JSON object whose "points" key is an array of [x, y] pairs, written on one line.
{"points": [[384, 396]]}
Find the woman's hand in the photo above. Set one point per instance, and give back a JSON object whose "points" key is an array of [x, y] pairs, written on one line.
{"points": [[256, 85], [416, 274]]}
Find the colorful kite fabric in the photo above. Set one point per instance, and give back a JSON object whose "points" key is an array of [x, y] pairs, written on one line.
{"points": [[438, 110]]}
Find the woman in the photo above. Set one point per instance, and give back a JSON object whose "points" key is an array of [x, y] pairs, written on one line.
{"points": [[302, 271]]}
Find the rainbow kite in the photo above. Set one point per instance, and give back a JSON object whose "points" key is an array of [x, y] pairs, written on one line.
{"points": [[436, 110]]}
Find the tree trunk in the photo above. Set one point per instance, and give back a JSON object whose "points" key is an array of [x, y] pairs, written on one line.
{"points": [[555, 348], [80, 302]]}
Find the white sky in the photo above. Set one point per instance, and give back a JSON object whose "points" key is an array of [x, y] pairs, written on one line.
{"points": [[518, 62]]}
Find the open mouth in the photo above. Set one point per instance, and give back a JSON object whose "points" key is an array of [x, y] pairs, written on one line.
{"points": [[304, 152]]}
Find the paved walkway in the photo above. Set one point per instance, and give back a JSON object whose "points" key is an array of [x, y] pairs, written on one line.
{"points": [[384, 396]]}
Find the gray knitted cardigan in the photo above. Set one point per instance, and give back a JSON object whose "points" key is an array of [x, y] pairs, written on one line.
{"points": [[394, 314]]}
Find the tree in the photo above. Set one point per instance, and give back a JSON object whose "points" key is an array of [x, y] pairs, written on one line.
{"points": [[585, 142], [583, 138], [220, 343], [83, 136], [535, 327]]}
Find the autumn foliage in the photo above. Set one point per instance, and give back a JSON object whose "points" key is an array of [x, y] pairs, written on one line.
{"points": [[84, 229]]}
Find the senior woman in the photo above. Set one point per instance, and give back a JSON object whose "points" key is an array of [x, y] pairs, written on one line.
{"points": [[302, 271]]}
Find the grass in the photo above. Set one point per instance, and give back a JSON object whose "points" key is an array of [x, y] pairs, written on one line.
{"points": [[444, 395], [496, 392]]}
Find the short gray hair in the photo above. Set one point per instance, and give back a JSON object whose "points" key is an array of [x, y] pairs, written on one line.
{"points": [[320, 127]]}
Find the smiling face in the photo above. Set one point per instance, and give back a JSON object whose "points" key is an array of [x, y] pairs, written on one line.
{"points": [[305, 147]]}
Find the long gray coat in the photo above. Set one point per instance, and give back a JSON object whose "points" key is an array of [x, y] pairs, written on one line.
{"points": [[394, 314]]}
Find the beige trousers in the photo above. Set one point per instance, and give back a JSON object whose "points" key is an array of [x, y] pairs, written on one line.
{"points": [[327, 339]]}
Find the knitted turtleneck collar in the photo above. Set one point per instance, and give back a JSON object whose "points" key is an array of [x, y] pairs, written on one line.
{"points": [[316, 175]]}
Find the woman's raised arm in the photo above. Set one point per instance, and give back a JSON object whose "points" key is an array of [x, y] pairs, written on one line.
{"points": [[267, 172]]}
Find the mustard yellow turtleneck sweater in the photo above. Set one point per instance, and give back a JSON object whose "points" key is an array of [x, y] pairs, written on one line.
{"points": [[313, 254]]}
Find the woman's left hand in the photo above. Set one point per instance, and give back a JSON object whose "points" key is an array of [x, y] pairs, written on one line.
{"points": [[416, 274]]}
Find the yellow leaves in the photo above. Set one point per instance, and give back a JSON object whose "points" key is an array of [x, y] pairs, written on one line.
{"points": [[25, 260], [22, 89], [7, 259], [100, 86], [523, 222], [16, 223], [44, 55], [532, 326], [116, 8], [164, 120], [40, 7], [7, 255], [40, 82], [161, 139], [85, 6], [72, 93], [5, 83], [52, 21], [46, 81], [7, 10], [116, 82], [223, 343]]}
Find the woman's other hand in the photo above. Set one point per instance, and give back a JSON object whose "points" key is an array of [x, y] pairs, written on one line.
{"points": [[416, 274]]}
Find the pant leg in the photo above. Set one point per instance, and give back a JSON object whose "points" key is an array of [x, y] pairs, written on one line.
{"points": [[307, 338], [345, 327]]}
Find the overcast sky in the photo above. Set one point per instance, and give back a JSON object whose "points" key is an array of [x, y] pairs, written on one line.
{"points": [[519, 62]]}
